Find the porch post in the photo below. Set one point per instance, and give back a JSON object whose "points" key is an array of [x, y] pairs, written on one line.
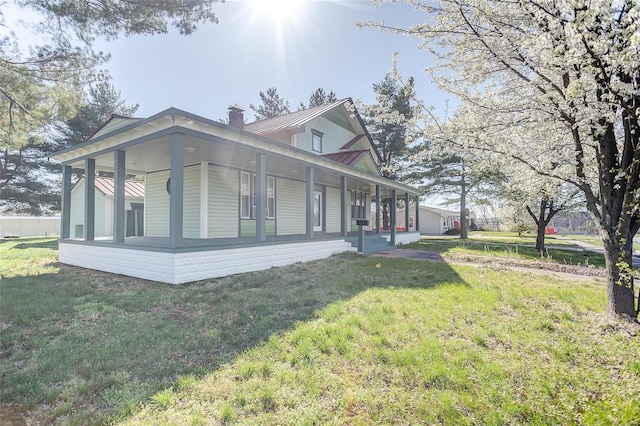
{"points": [[309, 199], [89, 199], [377, 209], [392, 221], [176, 190], [416, 222], [65, 225], [344, 229], [261, 197], [406, 212], [119, 218]]}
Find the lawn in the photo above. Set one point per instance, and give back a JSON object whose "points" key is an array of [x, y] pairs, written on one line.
{"points": [[510, 245], [346, 340]]}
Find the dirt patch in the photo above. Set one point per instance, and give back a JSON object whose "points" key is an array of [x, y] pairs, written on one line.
{"points": [[11, 415], [497, 262], [529, 264]]}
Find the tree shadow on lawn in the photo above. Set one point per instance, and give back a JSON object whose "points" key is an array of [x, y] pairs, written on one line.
{"points": [[85, 343], [36, 242]]}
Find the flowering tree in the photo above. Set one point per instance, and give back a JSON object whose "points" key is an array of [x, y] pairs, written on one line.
{"points": [[569, 66]]}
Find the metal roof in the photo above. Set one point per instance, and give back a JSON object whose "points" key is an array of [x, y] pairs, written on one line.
{"points": [[348, 158], [292, 120], [132, 188]]}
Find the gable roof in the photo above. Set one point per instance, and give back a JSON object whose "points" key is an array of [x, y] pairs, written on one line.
{"points": [[114, 122], [106, 185], [292, 120], [295, 120]]}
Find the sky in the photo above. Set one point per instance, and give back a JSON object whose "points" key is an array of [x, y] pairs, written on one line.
{"points": [[310, 44]]}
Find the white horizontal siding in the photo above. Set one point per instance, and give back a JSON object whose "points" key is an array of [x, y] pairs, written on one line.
{"points": [[77, 211], [156, 205], [333, 209], [291, 207], [333, 138], [176, 268], [223, 202], [191, 202]]}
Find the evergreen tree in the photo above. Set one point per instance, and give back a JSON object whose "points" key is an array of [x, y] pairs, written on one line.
{"points": [[389, 122], [320, 97], [40, 85], [30, 181], [272, 105]]}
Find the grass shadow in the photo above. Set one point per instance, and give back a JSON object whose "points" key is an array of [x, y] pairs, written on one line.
{"points": [[83, 345]]}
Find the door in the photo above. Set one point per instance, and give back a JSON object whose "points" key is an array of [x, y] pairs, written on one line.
{"points": [[317, 211]]}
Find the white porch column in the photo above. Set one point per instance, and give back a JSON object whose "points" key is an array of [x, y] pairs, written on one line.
{"points": [[176, 190], [119, 218], [89, 199]]}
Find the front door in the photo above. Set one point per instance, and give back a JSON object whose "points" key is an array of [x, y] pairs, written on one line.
{"points": [[317, 211]]}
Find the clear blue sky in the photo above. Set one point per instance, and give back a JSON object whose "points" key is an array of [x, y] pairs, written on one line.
{"points": [[316, 45]]}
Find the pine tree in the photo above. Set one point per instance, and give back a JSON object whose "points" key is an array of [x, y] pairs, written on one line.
{"points": [[31, 182], [388, 121], [272, 105]]}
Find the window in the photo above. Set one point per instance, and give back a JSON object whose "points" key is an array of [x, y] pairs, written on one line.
{"points": [[245, 196], [316, 140], [248, 196], [358, 205], [271, 197]]}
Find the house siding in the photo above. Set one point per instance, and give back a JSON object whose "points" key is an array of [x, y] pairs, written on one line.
{"points": [[333, 138], [77, 212], [223, 202], [333, 209], [156, 205], [291, 214], [191, 202]]}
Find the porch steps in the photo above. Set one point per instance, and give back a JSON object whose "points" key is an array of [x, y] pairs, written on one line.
{"points": [[373, 243]]}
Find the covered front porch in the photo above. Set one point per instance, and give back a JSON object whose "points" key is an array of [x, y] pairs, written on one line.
{"points": [[218, 201]]}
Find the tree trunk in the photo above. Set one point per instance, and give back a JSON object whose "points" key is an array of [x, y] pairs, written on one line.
{"points": [[463, 209], [620, 285], [541, 228]]}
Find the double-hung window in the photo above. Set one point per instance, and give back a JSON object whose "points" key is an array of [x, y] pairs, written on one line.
{"points": [[316, 140], [271, 197], [248, 196], [358, 205], [245, 195]]}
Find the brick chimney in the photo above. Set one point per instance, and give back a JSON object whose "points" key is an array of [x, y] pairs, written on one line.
{"points": [[236, 117]]}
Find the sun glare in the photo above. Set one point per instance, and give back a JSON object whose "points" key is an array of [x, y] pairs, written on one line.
{"points": [[276, 11]]}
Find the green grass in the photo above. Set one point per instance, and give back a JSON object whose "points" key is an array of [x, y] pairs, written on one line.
{"points": [[337, 341], [512, 247]]}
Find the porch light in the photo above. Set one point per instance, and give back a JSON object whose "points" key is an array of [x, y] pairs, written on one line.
{"points": [[189, 149], [293, 171]]}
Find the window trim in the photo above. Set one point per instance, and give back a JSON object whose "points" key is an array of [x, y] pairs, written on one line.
{"points": [[251, 196], [271, 180], [243, 214], [316, 134]]}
